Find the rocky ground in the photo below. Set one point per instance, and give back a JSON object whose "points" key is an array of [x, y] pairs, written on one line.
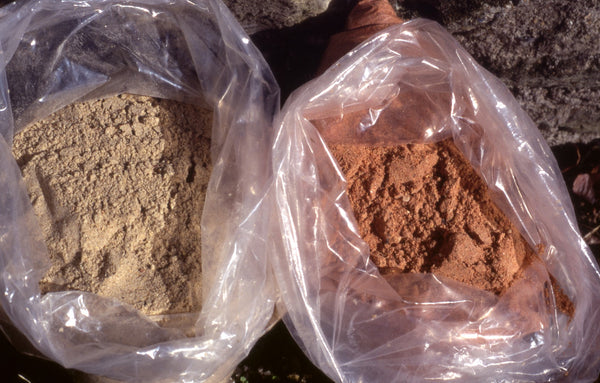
{"points": [[546, 51]]}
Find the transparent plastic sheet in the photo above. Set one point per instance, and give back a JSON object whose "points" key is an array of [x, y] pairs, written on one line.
{"points": [[55, 53], [359, 327]]}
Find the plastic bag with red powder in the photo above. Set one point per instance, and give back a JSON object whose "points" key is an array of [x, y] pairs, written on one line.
{"points": [[55, 53], [359, 326]]}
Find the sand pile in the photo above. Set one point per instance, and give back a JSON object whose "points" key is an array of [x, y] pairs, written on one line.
{"points": [[422, 208], [118, 186]]}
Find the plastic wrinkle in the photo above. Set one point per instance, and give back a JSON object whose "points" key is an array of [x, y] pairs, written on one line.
{"points": [[421, 327], [55, 53]]}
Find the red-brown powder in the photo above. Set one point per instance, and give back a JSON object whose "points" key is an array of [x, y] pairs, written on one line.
{"points": [[423, 208]]}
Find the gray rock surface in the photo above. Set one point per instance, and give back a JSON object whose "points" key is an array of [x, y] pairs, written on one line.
{"points": [[257, 15], [546, 51]]}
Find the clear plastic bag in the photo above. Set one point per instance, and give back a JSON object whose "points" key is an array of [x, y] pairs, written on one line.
{"points": [[59, 52], [359, 327]]}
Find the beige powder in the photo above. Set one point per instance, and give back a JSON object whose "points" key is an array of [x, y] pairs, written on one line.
{"points": [[118, 186]]}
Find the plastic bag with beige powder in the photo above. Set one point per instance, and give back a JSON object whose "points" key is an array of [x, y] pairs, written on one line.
{"points": [[409, 99], [57, 53]]}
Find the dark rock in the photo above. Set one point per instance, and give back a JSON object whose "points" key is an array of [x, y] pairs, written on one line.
{"points": [[294, 53], [257, 15]]}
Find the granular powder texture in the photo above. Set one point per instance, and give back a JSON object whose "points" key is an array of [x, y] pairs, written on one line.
{"points": [[118, 186], [422, 208]]}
